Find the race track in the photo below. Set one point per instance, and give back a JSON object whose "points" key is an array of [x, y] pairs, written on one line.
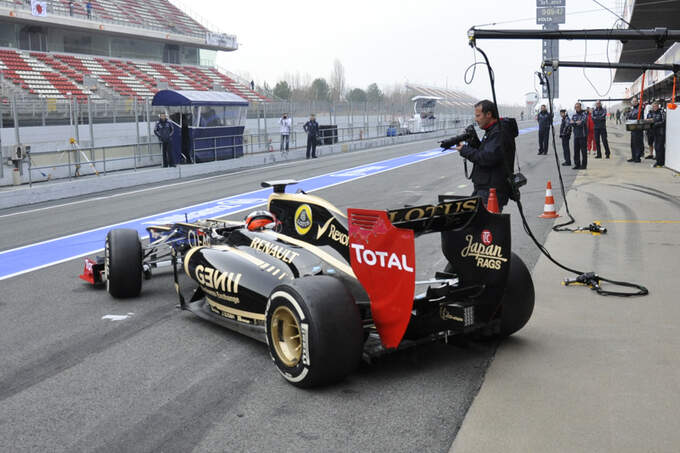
{"points": [[163, 380]]}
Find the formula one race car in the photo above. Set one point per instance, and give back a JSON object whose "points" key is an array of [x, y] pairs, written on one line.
{"points": [[324, 289]]}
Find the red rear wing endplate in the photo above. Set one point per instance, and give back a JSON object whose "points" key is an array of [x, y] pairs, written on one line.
{"points": [[383, 259]]}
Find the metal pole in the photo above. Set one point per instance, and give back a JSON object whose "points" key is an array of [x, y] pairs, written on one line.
{"points": [[266, 135], [658, 34], [76, 121], [606, 65], [89, 120], [148, 126], [257, 106], [15, 117], [136, 110]]}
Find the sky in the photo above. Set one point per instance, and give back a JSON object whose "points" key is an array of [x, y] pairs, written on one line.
{"points": [[390, 42]]}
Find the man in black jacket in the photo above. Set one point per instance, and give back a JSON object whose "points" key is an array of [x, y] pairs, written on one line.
{"points": [[493, 157], [164, 130], [312, 129], [544, 121], [600, 130], [637, 138], [579, 124], [565, 135], [659, 131]]}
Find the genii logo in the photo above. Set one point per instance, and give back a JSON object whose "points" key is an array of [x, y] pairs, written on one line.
{"points": [[303, 219]]}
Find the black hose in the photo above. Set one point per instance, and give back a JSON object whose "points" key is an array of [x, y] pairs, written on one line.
{"points": [[590, 279]]}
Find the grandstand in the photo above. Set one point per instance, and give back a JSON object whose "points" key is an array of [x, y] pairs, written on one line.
{"points": [[122, 49], [449, 98]]}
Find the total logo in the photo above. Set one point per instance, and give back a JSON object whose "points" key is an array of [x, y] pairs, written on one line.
{"points": [[382, 259], [303, 219]]}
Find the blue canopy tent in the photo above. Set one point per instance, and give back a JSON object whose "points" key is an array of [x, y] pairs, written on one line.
{"points": [[210, 123]]}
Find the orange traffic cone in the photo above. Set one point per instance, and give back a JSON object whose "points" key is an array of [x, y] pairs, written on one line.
{"points": [[549, 208], [492, 203]]}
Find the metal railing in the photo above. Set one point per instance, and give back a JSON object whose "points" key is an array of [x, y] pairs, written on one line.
{"points": [[117, 134]]}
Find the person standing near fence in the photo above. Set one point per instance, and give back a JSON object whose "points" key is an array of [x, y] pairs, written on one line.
{"points": [[88, 8], [286, 124], [164, 130], [312, 129]]}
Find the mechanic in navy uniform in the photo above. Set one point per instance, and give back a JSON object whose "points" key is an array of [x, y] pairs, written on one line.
{"points": [[544, 119], [659, 132], [312, 129], [650, 136], [600, 129], [492, 157], [637, 138], [164, 130], [579, 124], [565, 135]]}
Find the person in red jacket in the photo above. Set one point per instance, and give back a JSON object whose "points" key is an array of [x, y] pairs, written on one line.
{"points": [[591, 131]]}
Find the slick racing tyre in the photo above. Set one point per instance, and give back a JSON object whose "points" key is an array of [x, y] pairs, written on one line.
{"points": [[517, 304], [314, 331], [123, 263]]}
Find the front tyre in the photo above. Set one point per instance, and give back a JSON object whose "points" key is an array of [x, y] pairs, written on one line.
{"points": [[123, 263], [314, 331]]}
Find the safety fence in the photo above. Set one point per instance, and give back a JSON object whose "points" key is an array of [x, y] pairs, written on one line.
{"points": [[69, 139]]}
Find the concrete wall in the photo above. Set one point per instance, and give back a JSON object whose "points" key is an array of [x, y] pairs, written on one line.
{"points": [[673, 139], [24, 195]]}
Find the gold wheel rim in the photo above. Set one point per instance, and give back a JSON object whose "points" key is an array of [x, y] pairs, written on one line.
{"points": [[285, 334]]}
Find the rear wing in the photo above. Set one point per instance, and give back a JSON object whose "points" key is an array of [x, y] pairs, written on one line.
{"points": [[452, 212]]}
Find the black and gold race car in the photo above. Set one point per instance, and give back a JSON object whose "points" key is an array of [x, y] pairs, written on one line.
{"points": [[324, 288]]}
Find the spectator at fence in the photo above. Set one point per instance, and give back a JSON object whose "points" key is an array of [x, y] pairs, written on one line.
{"points": [[285, 124], [164, 130], [88, 8], [312, 129], [70, 8]]}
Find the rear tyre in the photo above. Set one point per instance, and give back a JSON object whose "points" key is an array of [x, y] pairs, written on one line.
{"points": [[314, 331], [123, 263], [517, 303]]}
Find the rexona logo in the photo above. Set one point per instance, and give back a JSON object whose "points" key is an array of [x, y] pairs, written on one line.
{"points": [[488, 256], [303, 219], [334, 233], [382, 259], [217, 280]]}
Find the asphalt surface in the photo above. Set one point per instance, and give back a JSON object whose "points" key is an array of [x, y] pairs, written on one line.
{"points": [[163, 380]]}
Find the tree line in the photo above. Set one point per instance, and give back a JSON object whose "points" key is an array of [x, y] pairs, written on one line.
{"points": [[301, 87]]}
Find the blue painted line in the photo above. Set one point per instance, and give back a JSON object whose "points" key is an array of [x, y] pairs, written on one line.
{"points": [[36, 256]]}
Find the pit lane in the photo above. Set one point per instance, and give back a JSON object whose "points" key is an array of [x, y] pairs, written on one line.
{"points": [[162, 379]]}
